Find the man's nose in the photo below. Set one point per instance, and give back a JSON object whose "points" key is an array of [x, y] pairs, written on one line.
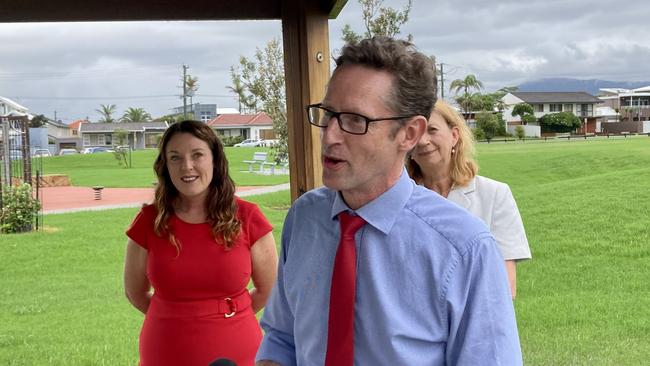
{"points": [[332, 133]]}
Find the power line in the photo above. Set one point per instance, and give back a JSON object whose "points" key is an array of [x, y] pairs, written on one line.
{"points": [[96, 98]]}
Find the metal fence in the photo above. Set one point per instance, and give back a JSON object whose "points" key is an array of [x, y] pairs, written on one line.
{"points": [[15, 156]]}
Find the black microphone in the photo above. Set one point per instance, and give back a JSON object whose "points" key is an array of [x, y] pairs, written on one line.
{"points": [[222, 362]]}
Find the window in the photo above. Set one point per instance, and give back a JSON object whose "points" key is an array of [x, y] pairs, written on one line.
{"points": [[539, 107], [86, 139], [568, 107], [555, 107], [100, 140], [108, 139], [74, 132]]}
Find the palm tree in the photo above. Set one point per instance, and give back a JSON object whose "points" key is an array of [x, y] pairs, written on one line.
{"points": [[106, 110], [469, 82], [135, 115], [237, 88], [191, 87]]}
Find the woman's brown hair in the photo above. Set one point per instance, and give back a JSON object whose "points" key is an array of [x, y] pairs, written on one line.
{"points": [[220, 206]]}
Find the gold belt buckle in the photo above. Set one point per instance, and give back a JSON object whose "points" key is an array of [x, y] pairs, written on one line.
{"points": [[232, 306]]}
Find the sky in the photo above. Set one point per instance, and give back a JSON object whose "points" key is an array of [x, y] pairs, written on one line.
{"points": [[69, 69]]}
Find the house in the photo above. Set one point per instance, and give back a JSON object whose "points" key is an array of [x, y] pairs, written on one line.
{"points": [[581, 104], [201, 112], [632, 104], [10, 108], [140, 135], [248, 126], [64, 136], [633, 107]]}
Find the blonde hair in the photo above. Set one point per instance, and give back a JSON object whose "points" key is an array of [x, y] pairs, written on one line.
{"points": [[463, 165]]}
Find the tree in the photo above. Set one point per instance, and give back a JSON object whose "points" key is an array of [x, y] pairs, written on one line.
{"points": [[37, 121], [246, 100], [559, 122], [191, 87], [106, 111], [170, 118], [488, 122], [468, 83], [122, 152], [525, 112], [379, 21], [262, 79], [135, 115], [260, 82]]}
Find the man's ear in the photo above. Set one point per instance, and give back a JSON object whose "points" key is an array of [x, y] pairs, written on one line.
{"points": [[413, 131]]}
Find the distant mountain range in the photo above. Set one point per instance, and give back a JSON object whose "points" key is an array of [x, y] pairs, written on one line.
{"points": [[590, 86]]}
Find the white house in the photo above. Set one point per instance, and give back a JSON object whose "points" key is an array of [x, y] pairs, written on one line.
{"points": [[581, 104], [9, 107], [249, 126]]}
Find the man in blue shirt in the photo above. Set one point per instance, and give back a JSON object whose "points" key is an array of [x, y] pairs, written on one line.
{"points": [[431, 287]]}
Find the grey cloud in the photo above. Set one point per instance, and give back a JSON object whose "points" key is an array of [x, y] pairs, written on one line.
{"points": [[503, 42]]}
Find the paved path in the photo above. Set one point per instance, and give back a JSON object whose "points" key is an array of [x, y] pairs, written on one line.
{"points": [[72, 199]]}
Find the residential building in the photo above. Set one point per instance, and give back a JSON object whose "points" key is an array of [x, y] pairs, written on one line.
{"points": [[9, 107], [581, 104], [201, 112], [140, 135], [632, 104], [248, 126], [64, 136]]}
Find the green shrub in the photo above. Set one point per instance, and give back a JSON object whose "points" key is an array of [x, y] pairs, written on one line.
{"points": [[478, 134], [489, 123], [231, 140], [19, 209], [560, 122], [519, 131]]}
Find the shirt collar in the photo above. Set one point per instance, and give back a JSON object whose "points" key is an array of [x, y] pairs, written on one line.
{"points": [[382, 212]]}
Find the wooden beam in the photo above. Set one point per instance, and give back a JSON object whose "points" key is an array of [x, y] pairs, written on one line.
{"points": [[123, 10], [306, 62]]}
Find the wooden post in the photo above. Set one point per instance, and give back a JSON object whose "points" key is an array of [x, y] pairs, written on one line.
{"points": [[306, 63]]}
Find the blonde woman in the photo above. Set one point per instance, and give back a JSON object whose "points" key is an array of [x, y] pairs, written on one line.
{"points": [[443, 161]]}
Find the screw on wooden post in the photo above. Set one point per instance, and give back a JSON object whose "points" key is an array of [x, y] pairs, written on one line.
{"points": [[98, 192]]}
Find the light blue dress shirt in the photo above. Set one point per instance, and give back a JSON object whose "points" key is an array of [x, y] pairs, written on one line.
{"points": [[431, 285]]}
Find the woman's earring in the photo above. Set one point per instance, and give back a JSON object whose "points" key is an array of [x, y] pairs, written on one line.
{"points": [[453, 150]]}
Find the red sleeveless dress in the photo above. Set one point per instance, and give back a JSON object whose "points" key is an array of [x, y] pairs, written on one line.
{"points": [[200, 310]]}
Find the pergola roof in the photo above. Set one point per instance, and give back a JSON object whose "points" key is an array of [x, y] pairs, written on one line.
{"points": [[130, 10]]}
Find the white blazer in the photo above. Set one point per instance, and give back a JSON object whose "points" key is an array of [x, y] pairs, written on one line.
{"points": [[493, 203]]}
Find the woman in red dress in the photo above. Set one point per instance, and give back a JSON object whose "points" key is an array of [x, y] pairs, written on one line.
{"points": [[190, 256]]}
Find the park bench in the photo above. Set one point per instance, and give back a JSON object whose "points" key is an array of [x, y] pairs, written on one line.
{"points": [[259, 157]]}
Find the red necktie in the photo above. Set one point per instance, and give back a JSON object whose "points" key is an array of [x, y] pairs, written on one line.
{"points": [[340, 327]]}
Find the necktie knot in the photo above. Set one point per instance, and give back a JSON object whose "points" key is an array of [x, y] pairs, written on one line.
{"points": [[350, 224]]}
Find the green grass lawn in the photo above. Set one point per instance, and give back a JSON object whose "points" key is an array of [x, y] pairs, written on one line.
{"points": [[102, 169], [583, 300]]}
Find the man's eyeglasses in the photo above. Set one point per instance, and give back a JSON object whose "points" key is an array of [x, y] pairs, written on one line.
{"points": [[354, 123]]}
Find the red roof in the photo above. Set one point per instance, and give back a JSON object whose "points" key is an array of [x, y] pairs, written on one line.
{"points": [[75, 125], [258, 119]]}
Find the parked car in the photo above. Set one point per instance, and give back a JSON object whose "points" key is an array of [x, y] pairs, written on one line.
{"points": [[268, 143], [249, 143], [97, 149], [68, 152], [41, 152]]}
